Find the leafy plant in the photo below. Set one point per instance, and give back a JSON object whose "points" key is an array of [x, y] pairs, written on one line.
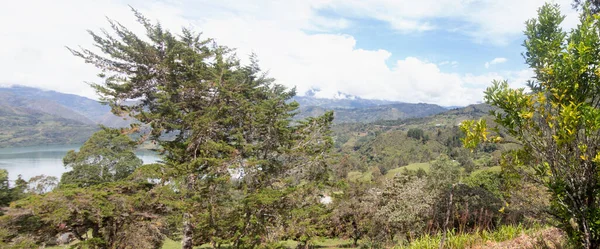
{"points": [[557, 121]]}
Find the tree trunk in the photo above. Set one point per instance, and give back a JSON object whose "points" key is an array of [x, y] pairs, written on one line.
{"points": [[188, 232], [96, 231], [356, 233], [448, 213]]}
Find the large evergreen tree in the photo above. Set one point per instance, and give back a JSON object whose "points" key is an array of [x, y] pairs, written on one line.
{"points": [[225, 129]]}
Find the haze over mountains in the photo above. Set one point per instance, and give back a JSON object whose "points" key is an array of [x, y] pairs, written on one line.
{"points": [[31, 116]]}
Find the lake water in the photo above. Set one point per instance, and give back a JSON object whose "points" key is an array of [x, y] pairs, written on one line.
{"points": [[47, 160]]}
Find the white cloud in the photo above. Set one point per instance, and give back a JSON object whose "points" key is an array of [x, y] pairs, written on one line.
{"points": [[490, 21], [34, 34], [449, 63], [33, 52], [495, 61]]}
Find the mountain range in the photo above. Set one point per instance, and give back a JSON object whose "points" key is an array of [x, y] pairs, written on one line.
{"points": [[32, 116]]}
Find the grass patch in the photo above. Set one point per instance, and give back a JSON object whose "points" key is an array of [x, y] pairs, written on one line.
{"points": [[468, 240], [491, 169], [171, 244], [413, 166], [331, 243], [416, 166], [334, 243], [357, 176]]}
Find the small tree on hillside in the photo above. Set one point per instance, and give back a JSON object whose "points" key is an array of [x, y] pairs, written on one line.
{"points": [[5, 195], [353, 214], [557, 121], [416, 133], [405, 207], [107, 156], [42, 184]]}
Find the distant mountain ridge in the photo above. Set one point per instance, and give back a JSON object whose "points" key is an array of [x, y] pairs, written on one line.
{"points": [[49, 107], [91, 109], [32, 116], [448, 118], [25, 122], [352, 109], [374, 113], [347, 103]]}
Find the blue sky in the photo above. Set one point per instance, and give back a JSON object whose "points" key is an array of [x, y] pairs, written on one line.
{"points": [[435, 51], [437, 46]]}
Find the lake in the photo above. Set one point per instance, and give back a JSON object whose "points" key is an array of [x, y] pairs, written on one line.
{"points": [[47, 160]]}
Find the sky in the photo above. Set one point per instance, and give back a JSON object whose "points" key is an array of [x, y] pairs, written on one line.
{"points": [[443, 52]]}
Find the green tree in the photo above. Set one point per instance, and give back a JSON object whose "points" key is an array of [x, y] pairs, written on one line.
{"points": [[416, 133], [42, 184], [19, 191], [592, 5], [5, 195], [557, 121], [444, 172], [8, 194], [107, 156], [225, 128], [353, 212], [490, 180], [124, 214], [405, 207]]}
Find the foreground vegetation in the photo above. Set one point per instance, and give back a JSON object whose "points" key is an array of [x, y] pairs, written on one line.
{"points": [[468, 240], [238, 171], [557, 122]]}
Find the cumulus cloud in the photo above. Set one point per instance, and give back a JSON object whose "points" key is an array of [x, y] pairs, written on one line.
{"points": [[496, 22], [35, 32], [297, 45], [495, 61]]}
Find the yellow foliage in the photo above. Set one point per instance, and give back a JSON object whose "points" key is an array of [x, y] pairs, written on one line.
{"points": [[596, 158]]}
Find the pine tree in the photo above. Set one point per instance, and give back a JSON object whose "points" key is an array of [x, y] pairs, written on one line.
{"points": [[226, 131]]}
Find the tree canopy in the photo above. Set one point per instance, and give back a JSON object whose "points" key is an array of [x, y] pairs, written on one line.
{"points": [[225, 129], [557, 120], [107, 156]]}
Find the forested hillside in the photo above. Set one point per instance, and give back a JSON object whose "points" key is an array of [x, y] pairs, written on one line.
{"points": [[62, 104], [89, 108], [373, 113], [33, 122]]}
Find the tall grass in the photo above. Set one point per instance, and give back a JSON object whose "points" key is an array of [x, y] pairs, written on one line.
{"points": [[466, 240]]}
